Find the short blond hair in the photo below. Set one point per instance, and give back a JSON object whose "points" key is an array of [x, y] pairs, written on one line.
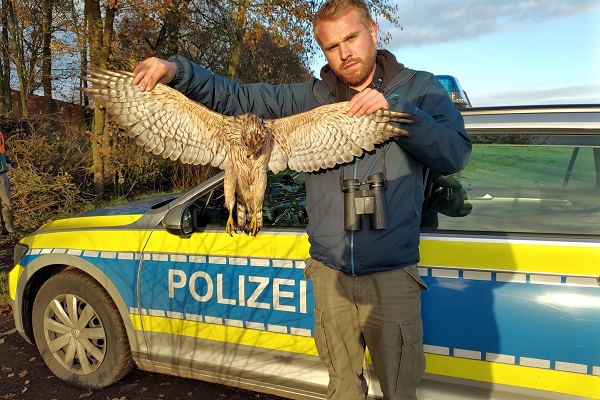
{"points": [[333, 9]]}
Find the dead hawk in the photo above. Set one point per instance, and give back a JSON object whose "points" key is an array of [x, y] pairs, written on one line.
{"points": [[166, 122]]}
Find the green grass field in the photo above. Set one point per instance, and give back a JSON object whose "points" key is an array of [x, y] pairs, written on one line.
{"points": [[528, 166]]}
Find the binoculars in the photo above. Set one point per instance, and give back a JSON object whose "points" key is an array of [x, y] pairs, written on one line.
{"points": [[359, 202]]}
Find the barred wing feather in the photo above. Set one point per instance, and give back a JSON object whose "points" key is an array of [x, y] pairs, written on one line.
{"points": [[326, 136], [163, 121]]}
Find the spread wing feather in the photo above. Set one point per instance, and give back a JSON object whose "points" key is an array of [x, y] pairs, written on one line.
{"points": [[326, 136], [163, 121]]}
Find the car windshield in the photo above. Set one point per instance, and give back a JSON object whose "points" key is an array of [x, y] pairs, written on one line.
{"points": [[283, 206]]}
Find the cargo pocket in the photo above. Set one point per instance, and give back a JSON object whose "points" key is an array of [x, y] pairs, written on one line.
{"points": [[412, 360], [309, 268], [413, 271], [321, 341]]}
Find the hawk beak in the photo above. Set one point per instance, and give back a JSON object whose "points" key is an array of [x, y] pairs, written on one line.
{"points": [[253, 155]]}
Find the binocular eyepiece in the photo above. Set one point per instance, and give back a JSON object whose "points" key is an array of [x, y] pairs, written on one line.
{"points": [[359, 202]]}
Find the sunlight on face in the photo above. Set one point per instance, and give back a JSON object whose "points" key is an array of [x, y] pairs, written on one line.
{"points": [[349, 47]]}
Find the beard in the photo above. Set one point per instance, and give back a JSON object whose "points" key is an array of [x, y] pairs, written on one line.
{"points": [[359, 76]]}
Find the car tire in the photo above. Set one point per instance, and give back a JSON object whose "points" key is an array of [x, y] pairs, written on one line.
{"points": [[79, 332]]}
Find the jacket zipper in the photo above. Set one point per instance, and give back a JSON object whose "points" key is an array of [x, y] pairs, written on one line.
{"points": [[352, 232]]}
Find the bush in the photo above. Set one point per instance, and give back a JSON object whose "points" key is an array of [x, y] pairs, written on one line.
{"points": [[43, 184], [53, 171]]}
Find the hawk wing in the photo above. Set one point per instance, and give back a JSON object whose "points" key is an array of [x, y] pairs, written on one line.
{"points": [[326, 136], [163, 121]]}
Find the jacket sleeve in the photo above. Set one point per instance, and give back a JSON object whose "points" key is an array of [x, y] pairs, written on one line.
{"points": [[439, 139], [229, 97]]}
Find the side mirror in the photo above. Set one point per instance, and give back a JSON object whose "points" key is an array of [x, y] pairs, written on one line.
{"points": [[181, 220]]}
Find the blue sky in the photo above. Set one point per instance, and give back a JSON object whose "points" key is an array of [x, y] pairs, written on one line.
{"points": [[511, 52]]}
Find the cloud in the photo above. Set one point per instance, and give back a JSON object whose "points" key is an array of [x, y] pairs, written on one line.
{"points": [[588, 94], [441, 21]]}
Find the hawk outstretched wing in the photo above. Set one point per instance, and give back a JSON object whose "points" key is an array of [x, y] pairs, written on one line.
{"points": [[165, 122], [326, 136]]}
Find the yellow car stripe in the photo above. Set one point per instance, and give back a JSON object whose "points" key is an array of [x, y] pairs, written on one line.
{"points": [[492, 372], [13, 278], [265, 245], [515, 375], [227, 334], [119, 240], [552, 257]]}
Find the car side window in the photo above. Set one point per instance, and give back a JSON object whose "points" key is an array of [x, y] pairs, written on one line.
{"points": [[285, 200], [531, 184], [284, 203]]}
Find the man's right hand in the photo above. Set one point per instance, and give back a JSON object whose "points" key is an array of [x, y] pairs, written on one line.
{"points": [[153, 70]]}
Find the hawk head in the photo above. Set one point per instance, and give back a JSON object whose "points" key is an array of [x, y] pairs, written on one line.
{"points": [[254, 134]]}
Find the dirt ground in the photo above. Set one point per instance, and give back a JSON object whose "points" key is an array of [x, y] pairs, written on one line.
{"points": [[24, 376]]}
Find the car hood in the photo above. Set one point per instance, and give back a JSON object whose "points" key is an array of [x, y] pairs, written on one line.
{"points": [[111, 216], [132, 207]]}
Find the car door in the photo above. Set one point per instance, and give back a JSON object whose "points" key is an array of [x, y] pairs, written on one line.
{"points": [[514, 291], [237, 308]]}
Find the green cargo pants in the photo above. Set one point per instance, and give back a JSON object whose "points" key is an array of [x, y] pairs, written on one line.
{"points": [[380, 310]]}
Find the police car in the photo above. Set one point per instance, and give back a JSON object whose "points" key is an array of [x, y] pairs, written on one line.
{"points": [[510, 251]]}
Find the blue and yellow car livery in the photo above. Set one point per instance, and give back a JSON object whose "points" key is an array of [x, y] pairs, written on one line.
{"points": [[509, 313]]}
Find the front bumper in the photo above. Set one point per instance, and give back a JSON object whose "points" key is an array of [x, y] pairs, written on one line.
{"points": [[15, 294]]}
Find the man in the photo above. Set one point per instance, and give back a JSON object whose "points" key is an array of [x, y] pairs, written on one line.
{"points": [[5, 197], [366, 283]]}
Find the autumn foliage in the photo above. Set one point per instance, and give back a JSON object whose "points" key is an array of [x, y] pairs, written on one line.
{"points": [[71, 157]]}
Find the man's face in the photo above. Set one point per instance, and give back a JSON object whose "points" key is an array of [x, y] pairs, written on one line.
{"points": [[349, 47]]}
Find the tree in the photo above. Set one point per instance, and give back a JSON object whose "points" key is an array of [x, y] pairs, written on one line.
{"points": [[24, 45], [272, 39], [288, 23], [47, 8], [284, 65], [236, 25], [5, 100], [99, 34]]}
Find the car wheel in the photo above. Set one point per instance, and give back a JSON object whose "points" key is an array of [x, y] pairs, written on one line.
{"points": [[79, 332]]}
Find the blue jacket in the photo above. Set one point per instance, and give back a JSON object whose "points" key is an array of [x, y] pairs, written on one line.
{"points": [[438, 141]]}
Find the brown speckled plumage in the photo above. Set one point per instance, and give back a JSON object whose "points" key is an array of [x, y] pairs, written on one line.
{"points": [[167, 123]]}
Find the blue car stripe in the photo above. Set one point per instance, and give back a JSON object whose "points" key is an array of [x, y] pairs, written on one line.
{"points": [[529, 319]]}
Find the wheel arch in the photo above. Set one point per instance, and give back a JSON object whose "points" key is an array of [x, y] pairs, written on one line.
{"points": [[44, 267]]}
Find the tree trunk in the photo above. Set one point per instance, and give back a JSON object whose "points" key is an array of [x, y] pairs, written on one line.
{"points": [[167, 42], [99, 36], [106, 143], [47, 55], [93, 21], [5, 100], [17, 55], [238, 38]]}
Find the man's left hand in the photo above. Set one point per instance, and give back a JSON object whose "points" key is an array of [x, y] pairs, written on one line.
{"points": [[366, 102]]}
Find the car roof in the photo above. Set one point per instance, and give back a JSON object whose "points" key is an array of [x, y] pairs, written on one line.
{"points": [[576, 117]]}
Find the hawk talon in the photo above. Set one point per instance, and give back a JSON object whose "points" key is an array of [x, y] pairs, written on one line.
{"points": [[253, 226], [230, 226]]}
